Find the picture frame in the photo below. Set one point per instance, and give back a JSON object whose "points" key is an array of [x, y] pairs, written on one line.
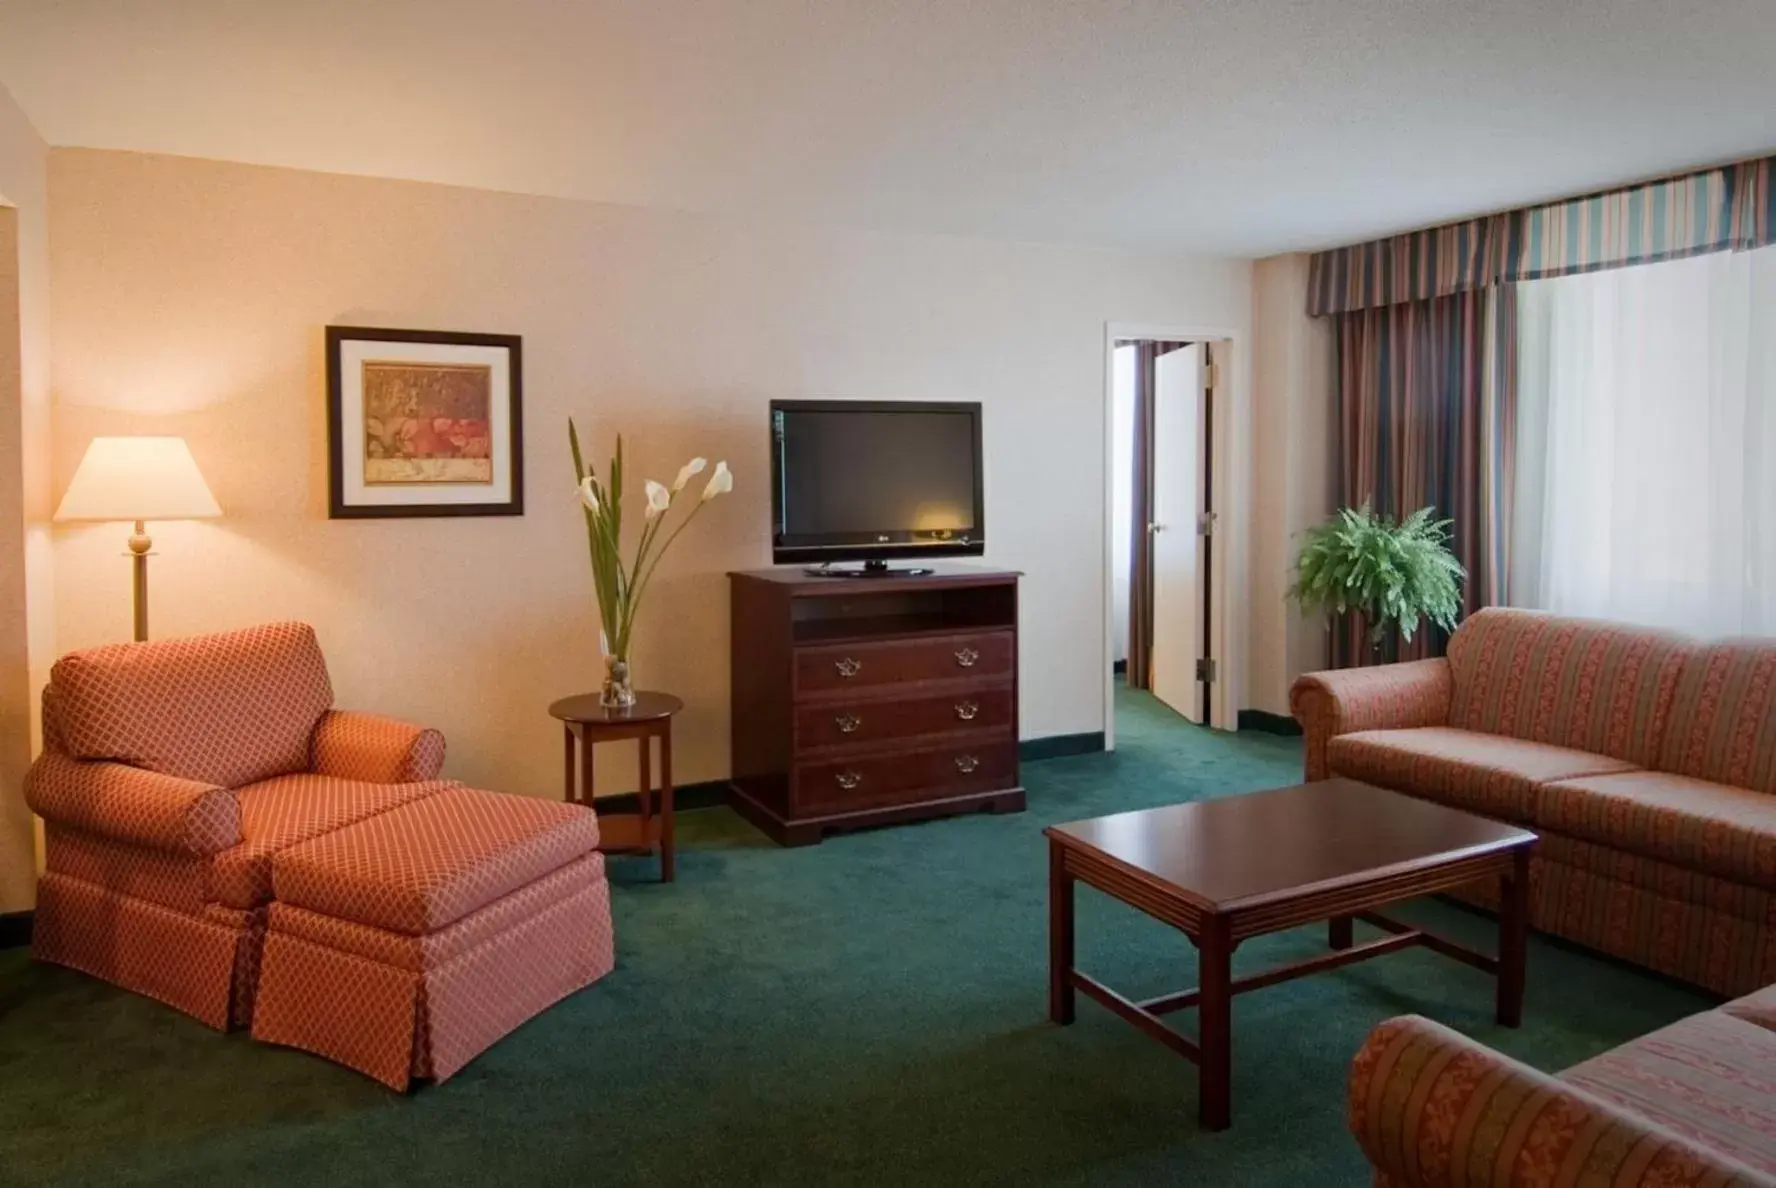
{"points": [[423, 423]]}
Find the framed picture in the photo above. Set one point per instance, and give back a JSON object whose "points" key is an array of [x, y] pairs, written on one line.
{"points": [[423, 423]]}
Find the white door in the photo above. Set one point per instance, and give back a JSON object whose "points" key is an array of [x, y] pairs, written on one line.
{"points": [[1177, 553]]}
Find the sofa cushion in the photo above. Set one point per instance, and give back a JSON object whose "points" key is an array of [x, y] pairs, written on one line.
{"points": [[426, 864], [1758, 1008], [1580, 683], [280, 812], [1723, 717], [1711, 1078], [1711, 828], [1488, 774], [223, 709]]}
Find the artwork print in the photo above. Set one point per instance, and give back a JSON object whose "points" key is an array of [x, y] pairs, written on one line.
{"points": [[427, 422], [424, 423]]}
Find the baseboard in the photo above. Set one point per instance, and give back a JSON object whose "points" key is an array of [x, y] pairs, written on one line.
{"points": [[15, 929], [1059, 746], [1268, 723], [685, 798]]}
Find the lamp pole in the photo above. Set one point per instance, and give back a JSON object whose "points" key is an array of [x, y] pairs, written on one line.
{"points": [[139, 545]]}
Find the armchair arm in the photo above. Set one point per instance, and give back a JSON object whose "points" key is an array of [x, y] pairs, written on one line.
{"points": [[1434, 1109], [129, 804], [370, 747], [1387, 697]]}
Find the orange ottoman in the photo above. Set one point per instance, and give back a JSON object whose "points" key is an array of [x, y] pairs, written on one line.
{"points": [[407, 944]]}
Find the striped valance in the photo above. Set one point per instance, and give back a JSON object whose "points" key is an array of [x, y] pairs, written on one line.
{"points": [[1714, 210]]}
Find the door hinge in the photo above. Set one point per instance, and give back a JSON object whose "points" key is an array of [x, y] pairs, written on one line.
{"points": [[1211, 374], [1205, 524], [1205, 671]]}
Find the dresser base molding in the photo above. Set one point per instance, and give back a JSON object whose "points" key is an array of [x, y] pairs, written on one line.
{"points": [[806, 831]]}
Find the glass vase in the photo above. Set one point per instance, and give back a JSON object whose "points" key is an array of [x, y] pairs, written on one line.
{"points": [[618, 692]]}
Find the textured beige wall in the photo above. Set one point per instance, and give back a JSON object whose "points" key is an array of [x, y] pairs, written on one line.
{"points": [[1291, 473], [27, 624], [190, 298]]}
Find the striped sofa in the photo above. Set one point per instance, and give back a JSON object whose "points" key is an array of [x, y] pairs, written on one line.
{"points": [[1645, 760], [1692, 1105], [219, 837]]}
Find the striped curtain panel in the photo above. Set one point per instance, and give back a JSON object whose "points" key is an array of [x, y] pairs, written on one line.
{"points": [[1425, 397]]}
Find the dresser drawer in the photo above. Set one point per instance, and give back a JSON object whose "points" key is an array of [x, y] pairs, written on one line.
{"points": [[862, 722], [905, 777], [830, 667]]}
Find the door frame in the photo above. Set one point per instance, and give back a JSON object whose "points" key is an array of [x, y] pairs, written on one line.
{"points": [[1229, 479]]}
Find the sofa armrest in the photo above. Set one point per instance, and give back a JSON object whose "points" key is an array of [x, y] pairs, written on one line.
{"points": [[357, 746], [1434, 1109], [1386, 697], [129, 804]]}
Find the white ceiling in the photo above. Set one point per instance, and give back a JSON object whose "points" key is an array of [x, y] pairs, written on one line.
{"points": [[1231, 126]]}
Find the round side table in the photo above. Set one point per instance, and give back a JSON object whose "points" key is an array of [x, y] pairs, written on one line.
{"points": [[585, 723]]}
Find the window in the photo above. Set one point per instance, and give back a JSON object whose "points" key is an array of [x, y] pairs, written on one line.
{"points": [[1646, 445]]}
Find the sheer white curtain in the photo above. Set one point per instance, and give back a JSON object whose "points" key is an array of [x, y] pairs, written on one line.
{"points": [[1646, 445]]}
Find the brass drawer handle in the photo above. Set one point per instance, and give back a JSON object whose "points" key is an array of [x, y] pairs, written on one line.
{"points": [[847, 723], [849, 667], [848, 780], [966, 657], [967, 763], [966, 710]]}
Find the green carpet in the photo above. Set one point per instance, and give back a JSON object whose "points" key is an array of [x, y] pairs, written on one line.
{"points": [[867, 1011]]}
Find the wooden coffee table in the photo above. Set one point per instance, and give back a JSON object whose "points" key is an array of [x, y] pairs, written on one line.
{"points": [[1224, 870]]}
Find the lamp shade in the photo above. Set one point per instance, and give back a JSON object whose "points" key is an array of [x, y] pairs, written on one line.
{"points": [[138, 478]]}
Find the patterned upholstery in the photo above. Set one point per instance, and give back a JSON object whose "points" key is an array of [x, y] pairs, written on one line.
{"points": [[1433, 1109], [159, 811], [1710, 1078], [1388, 697], [1578, 683], [425, 1005], [1691, 823], [174, 880], [1724, 716], [423, 865], [1759, 1008], [1484, 773], [279, 813], [358, 746], [224, 709]]}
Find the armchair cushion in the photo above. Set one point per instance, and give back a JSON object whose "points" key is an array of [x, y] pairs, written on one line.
{"points": [[1386, 697], [1432, 1108], [358, 746], [1723, 718], [124, 803], [1489, 774], [280, 812], [225, 709], [1710, 828], [1579, 683]]}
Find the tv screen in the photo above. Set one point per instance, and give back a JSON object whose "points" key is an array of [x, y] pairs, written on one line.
{"points": [[856, 481]]}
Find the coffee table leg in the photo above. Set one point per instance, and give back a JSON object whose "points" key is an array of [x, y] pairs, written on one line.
{"points": [[1060, 937], [1338, 932], [1215, 1025], [1513, 940]]}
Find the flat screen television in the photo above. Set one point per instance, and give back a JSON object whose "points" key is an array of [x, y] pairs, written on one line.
{"points": [[875, 481]]}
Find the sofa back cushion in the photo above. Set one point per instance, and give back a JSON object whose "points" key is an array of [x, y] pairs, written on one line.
{"points": [[1594, 686], [1723, 718], [226, 709]]}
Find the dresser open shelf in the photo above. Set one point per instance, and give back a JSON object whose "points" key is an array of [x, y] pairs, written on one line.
{"points": [[870, 701]]}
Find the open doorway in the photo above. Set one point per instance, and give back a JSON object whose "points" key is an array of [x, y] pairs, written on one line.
{"points": [[1162, 524]]}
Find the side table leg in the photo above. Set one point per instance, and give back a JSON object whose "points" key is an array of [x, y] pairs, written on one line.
{"points": [[1513, 940], [666, 844], [1215, 1026], [587, 784], [1060, 937], [570, 780], [1338, 932]]}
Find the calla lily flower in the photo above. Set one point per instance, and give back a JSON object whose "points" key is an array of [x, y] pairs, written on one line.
{"points": [[589, 494], [659, 499], [720, 483], [688, 471]]}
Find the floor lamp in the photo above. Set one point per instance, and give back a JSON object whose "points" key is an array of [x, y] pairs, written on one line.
{"points": [[139, 479]]}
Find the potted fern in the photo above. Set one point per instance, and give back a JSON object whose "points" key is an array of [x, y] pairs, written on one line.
{"points": [[1393, 574]]}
